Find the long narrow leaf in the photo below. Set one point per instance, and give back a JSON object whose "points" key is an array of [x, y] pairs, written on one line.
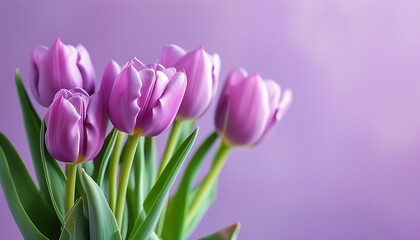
{"points": [[32, 125], [175, 221], [150, 153], [228, 233], [139, 179], [32, 214], [156, 198], [55, 179], [101, 161], [102, 223], [205, 205], [76, 224]]}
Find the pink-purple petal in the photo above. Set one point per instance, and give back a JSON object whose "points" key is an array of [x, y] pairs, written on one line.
{"points": [[58, 71], [123, 107], [198, 68], [110, 74], [62, 137], [86, 69], [164, 112], [95, 126], [170, 55]]}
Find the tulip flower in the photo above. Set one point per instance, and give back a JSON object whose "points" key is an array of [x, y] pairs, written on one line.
{"points": [[76, 126], [60, 67], [202, 70], [249, 107], [110, 74], [144, 100]]}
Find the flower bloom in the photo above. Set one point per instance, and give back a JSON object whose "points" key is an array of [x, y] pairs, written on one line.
{"points": [[76, 126], [249, 107], [110, 74], [144, 100], [60, 67], [202, 71]]}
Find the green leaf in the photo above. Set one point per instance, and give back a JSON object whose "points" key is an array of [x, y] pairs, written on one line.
{"points": [[156, 198], [139, 178], [186, 127], [102, 223], [75, 223], [228, 233], [101, 161], [80, 191], [55, 179], [32, 125], [150, 153], [175, 221], [204, 207], [34, 217]]}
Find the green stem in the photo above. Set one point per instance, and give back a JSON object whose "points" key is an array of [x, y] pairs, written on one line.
{"points": [[70, 185], [169, 150], [209, 181], [170, 145], [113, 170], [128, 157], [139, 176]]}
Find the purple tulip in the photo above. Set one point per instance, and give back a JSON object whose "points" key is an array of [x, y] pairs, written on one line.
{"points": [[110, 74], [249, 107], [202, 71], [76, 126], [145, 99], [60, 67]]}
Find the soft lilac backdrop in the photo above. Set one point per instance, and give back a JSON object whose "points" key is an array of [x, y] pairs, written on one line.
{"points": [[343, 164]]}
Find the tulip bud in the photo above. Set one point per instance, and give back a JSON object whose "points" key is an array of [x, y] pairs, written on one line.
{"points": [[60, 67], [76, 126], [202, 70], [110, 74], [144, 100], [249, 107]]}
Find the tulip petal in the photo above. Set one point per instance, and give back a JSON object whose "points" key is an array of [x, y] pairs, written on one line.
{"points": [[235, 76], [148, 80], [285, 103], [137, 64], [37, 56], [277, 113], [63, 136], [198, 67], [110, 74], [123, 107], [274, 93], [164, 112], [95, 126], [86, 69], [57, 71], [170, 55], [248, 105]]}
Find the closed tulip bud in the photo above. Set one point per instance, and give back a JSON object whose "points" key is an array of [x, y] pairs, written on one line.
{"points": [[60, 67], [202, 70], [76, 126], [249, 107], [144, 100], [110, 74]]}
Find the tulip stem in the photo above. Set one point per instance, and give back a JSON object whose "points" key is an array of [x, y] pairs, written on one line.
{"points": [[113, 170], [209, 181], [128, 157], [70, 185], [170, 145]]}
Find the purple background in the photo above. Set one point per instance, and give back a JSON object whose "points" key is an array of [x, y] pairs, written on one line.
{"points": [[343, 164]]}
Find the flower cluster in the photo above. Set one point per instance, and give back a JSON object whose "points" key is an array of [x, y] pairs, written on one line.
{"points": [[126, 195]]}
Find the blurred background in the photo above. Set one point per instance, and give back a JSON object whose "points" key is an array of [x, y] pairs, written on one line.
{"points": [[344, 162]]}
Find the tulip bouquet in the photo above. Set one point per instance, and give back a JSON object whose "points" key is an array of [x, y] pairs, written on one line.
{"points": [[112, 185]]}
